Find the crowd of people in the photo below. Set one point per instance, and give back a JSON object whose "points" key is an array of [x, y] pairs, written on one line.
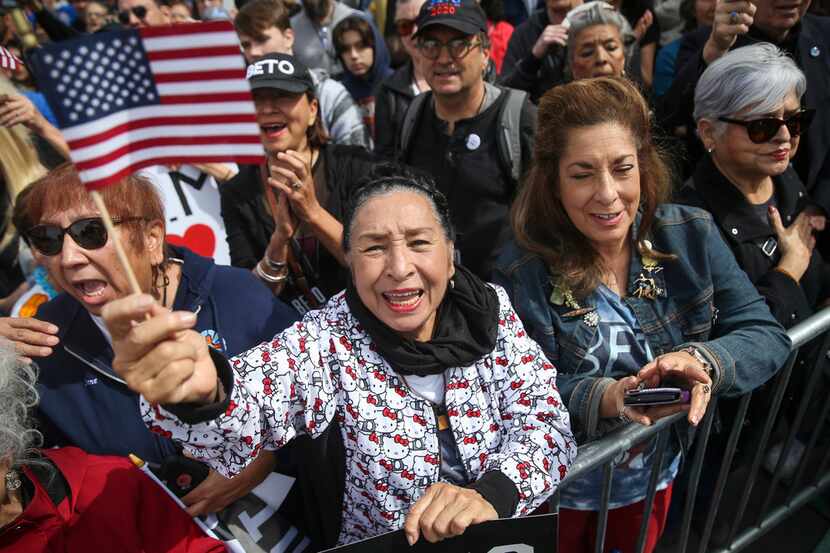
{"points": [[480, 226]]}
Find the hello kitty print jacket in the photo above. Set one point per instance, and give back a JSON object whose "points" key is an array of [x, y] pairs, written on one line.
{"points": [[505, 413]]}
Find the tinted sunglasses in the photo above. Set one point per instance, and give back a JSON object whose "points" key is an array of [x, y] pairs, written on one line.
{"points": [[139, 11], [404, 27], [90, 234], [764, 129]]}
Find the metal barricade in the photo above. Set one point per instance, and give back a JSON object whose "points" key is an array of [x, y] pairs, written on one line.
{"points": [[808, 480]]}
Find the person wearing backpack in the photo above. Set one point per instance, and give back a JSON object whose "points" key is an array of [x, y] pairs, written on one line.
{"points": [[473, 137]]}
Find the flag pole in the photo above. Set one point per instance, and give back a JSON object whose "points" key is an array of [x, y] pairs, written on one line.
{"points": [[116, 241]]}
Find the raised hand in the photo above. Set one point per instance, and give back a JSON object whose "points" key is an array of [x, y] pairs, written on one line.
{"points": [[159, 356], [291, 175], [643, 25], [552, 34], [732, 18]]}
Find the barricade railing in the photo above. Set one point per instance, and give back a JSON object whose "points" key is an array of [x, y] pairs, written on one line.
{"points": [[809, 478]]}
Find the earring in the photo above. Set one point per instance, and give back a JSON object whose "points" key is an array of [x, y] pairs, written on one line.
{"points": [[12, 480], [710, 149], [452, 284]]}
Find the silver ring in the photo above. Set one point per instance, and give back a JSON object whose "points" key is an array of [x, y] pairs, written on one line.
{"points": [[296, 185], [733, 18], [706, 389]]}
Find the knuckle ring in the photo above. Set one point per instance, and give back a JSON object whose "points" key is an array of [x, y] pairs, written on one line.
{"points": [[296, 185], [733, 18]]}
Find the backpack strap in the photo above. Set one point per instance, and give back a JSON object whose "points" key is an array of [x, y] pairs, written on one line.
{"points": [[509, 139], [410, 120]]}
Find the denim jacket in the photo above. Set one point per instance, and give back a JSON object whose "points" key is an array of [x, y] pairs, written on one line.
{"points": [[704, 299]]}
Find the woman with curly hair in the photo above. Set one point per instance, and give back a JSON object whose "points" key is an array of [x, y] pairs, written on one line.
{"points": [[65, 500]]}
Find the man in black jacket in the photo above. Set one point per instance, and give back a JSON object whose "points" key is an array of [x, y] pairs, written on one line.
{"points": [[535, 59], [457, 128], [396, 91], [784, 23]]}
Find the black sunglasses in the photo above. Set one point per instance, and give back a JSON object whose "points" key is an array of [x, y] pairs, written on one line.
{"points": [[764, 129], [90, 234], [139, 11]]}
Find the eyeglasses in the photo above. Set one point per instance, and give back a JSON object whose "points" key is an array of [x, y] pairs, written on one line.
{"points": [[457, 48], [90, 234], [764, 129], [404, 27], [139, 11]]}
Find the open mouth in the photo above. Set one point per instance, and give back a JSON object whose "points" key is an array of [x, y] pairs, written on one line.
{"points": [[273, 129], [608, 219], [403, 301], [90, 289]]}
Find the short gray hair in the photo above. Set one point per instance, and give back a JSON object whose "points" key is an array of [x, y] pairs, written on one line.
{"points": [[17, 398], [756, 78], [597, 13]]}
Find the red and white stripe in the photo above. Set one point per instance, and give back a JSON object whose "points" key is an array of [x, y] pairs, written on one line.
{"points": [[205, 113], [8, 60]]}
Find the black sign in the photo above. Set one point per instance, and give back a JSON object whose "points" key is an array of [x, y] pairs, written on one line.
{"points": [[534, 534]]}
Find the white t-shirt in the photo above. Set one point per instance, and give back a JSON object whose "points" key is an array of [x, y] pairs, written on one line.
{"points": [[192, 209]]}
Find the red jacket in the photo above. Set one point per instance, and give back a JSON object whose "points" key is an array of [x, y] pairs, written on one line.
{"points": [[499, 34], [112, 506]]}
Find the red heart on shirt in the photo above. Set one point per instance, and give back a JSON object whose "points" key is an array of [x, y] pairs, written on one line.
{"points": [[198, 238]]}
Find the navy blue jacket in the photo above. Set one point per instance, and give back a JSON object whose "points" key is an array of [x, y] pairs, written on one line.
{"points": [[83, 403]]}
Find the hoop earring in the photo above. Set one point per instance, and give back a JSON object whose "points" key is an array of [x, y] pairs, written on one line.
{"points": [[165, 282]]}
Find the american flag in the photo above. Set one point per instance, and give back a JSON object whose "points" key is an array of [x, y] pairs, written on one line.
{"points": [[130, 99], [8, 60]]}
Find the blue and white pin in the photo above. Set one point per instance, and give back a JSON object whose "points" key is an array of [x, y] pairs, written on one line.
{"points": [[473, 141]]}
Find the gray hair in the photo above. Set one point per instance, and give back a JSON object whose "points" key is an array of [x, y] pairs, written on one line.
{"points": [[756, 78], [17, 398], [597, 13]]}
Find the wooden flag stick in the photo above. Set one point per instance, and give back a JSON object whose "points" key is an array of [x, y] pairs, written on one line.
{"points": [[116, 241]]}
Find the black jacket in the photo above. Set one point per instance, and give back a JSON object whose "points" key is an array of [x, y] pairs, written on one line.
{"points": [[391, 102], [468, 169], [522, 70], [789, 301], [810, 42]]}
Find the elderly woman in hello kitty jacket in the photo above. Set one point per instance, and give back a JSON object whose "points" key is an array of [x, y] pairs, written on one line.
{"points": [[448, 412]]}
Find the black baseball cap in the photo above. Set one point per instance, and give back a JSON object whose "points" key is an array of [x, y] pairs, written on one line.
{"points": [[462, 15], [280, 71]]}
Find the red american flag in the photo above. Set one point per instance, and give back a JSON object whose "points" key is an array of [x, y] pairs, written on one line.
{"points": [[151, 96], [8, 60]]}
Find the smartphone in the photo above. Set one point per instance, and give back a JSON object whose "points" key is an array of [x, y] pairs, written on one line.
{"points": [[656, 396]]}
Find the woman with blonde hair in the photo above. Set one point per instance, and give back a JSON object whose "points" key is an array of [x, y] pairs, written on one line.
{"points": [[26, 138]]}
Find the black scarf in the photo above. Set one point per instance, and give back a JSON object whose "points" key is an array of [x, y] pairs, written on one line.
{"points": [[466, 327]]}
